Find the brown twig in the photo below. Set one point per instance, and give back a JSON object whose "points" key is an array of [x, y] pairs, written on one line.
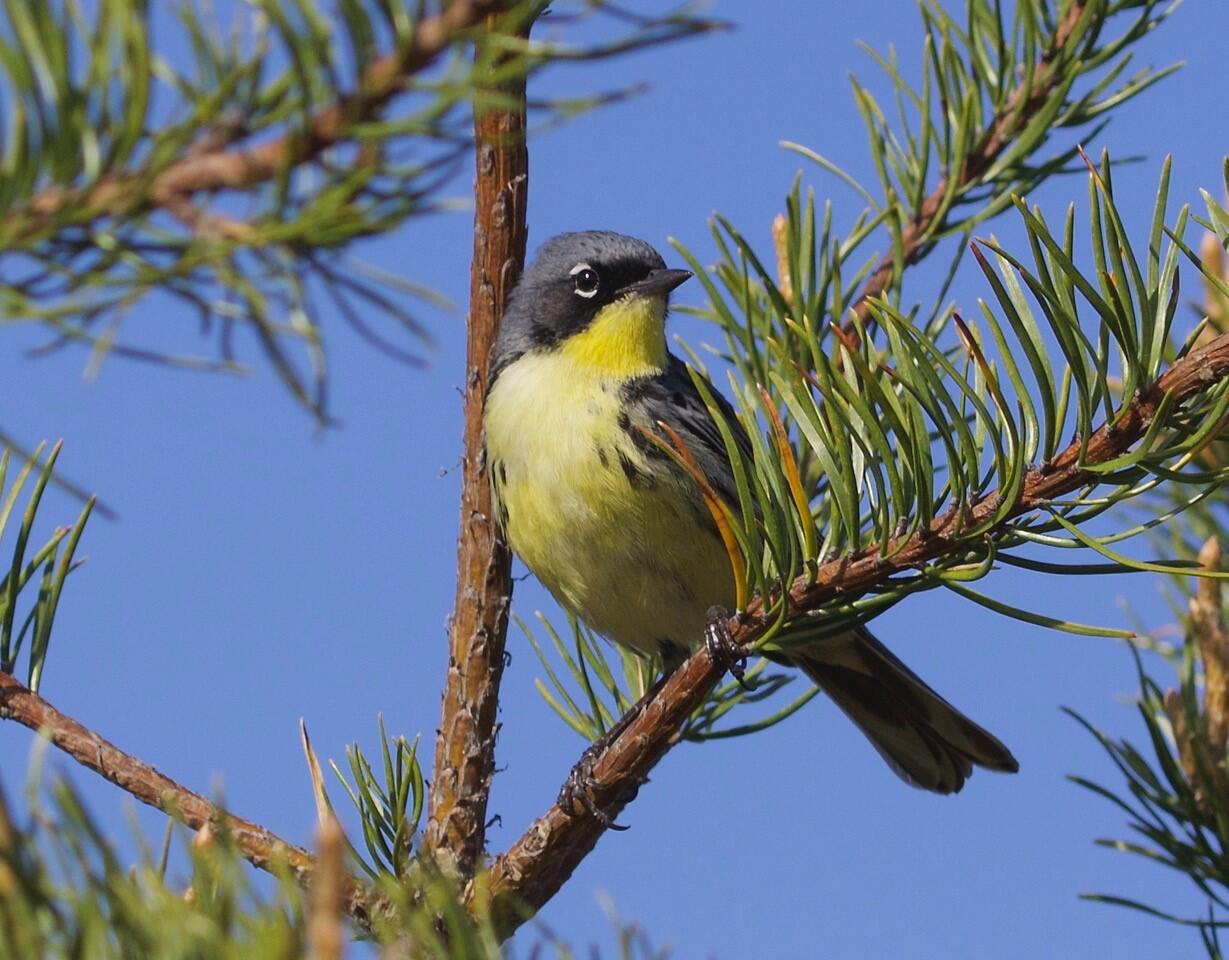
{"points": [[326, 933], [1022, 104], [257, 845], [209, 170], [8, 881], [1201, 743], [525, 877], [465, 744], [1207, 618]]}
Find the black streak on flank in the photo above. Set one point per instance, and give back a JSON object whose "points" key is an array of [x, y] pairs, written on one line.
{"points": [[639, 440], [500, 475], [645, 445], [634, 476], [602, 458]]}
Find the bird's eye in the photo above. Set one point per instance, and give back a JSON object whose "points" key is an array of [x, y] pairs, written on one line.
{"points": [[584, 280]]}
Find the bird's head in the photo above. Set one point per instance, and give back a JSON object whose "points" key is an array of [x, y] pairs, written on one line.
{"points": [[598, 297]]}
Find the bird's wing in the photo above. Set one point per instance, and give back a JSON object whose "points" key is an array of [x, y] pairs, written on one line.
{"points": [[672, 397]]}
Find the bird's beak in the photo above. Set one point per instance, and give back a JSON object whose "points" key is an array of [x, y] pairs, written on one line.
{"points": [[658, 282]]}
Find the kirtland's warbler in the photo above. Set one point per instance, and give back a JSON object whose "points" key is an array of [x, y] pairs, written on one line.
{"points": [[619, 533]]}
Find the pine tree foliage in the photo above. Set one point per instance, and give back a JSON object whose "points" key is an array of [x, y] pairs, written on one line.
{"points": [[1174, 787], [881, 428], [234, 184], [65, 893], [31, 587]]}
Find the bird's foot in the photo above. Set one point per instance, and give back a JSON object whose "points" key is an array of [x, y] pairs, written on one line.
{"points": [[581, 785], [722, 649]]}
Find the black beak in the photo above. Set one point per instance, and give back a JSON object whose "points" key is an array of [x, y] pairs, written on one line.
{"points": [[657, 282]]}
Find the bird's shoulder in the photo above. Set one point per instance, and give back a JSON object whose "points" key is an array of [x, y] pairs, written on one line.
{"points": [[671, 396]]}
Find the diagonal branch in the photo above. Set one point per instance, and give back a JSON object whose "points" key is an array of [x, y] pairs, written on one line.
{"points": [[257, 845], [465, 745], [524, 878], [537, 865], [209, 170], [1024, 102]]}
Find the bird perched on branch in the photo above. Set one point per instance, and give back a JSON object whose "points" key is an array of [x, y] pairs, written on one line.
{"points": [[619, 533]]}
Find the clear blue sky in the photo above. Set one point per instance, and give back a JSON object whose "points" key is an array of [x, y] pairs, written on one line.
{"points": [[263, 571]]}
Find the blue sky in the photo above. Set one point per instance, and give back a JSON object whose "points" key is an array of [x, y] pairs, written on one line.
{"points": [[264, 571]]}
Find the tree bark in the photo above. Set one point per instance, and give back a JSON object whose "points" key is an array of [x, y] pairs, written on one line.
{"points": [[465, 742]]}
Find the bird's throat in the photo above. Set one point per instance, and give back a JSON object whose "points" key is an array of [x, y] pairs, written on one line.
{"points": [[626, 339]]}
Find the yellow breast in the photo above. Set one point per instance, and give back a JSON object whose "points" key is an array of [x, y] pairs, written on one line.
{"points": [[620, 538], [626, 339]]}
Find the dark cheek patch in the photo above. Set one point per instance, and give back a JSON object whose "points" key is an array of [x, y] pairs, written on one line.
{"points": [[540, 335]]}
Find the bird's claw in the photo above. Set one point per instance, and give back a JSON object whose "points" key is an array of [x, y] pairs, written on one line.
{"points": [[581, 784], [722, 649]]}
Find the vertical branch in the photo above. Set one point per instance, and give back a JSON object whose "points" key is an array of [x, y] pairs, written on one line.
{"points": [[465, 744]]}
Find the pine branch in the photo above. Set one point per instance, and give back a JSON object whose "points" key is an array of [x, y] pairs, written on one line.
{"points": [[257, 845], [1174, 787], [208, 170], [537, 865], [1028, 97], [465, 745], [272, 154]]}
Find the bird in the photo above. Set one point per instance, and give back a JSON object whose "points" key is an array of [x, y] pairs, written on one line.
{"points": [[580, 376]]}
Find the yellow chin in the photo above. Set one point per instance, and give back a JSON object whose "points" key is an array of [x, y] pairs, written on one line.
{"points": [[627, 338]]}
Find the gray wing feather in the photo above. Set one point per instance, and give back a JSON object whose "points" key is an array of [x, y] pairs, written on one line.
{"points": [[672, 397]]}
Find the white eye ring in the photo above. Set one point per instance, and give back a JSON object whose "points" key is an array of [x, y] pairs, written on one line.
{"points": [[585, 280]]}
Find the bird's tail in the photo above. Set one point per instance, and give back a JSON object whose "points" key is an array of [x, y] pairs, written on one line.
{"points": [[925, 740]]}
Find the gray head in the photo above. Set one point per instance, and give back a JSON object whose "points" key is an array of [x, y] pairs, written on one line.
{"points": [[572, 278]]}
